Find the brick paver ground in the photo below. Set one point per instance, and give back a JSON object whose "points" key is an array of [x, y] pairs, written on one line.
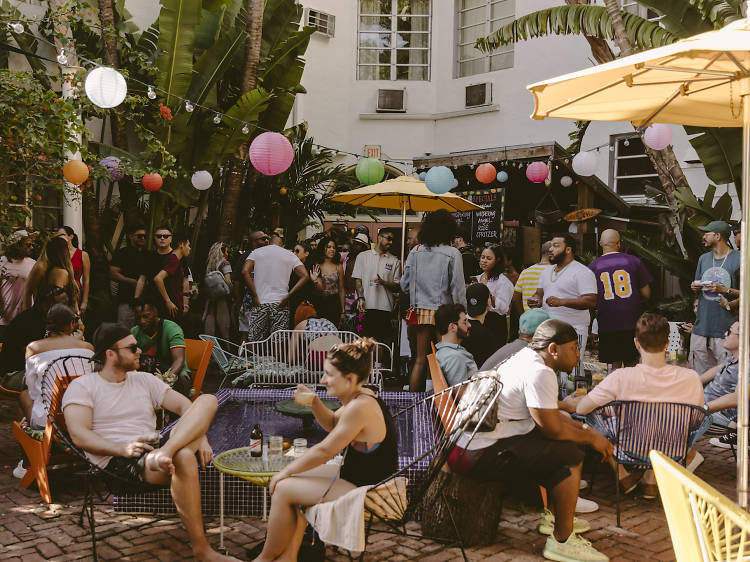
{"points": [[31, 530]]}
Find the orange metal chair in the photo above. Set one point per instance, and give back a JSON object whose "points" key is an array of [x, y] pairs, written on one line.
{"points": [[197, 357]]}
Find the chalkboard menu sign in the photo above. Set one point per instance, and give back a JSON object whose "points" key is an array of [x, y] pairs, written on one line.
{"points": [[485, 225]]}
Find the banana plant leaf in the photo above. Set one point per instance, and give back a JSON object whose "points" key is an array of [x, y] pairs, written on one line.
{"points": [[660, 256], [720, 151], [212, 65], [177, 22], [148, 42], [689, 17]]}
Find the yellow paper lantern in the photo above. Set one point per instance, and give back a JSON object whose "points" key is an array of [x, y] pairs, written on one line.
{"points": [[76, 172]]}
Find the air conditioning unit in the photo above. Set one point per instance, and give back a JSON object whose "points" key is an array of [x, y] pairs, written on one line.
{"points": [[391, 101], [322, 22], [479, 94]]}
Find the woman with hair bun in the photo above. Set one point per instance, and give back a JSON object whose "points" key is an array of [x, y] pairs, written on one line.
{"points": [[363, 426]]}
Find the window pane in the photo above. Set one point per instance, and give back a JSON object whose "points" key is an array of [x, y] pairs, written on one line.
{"points": [[375, 56], [413, 23], [375, 23], [634, 147], [635, 186], [411, 73], [411, 56], [474, 16], [634, 166], [469, 68], [469, 52], [502, 60], [467, 4], [374, 73], [375, 6], [420, 40], [375, 40], [471, 34], [502, 9], [413, 7]]}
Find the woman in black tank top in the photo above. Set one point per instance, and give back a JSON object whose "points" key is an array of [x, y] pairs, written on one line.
{"points": [[363, 426]]}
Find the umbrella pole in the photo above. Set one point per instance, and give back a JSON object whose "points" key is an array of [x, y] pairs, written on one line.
{"points": [[397, 346], [742, 382]]}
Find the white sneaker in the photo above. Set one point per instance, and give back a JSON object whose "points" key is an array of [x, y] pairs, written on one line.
{"points": [[19, 472], [547, 524], [586, 506], [583, 484], [575, 549]]}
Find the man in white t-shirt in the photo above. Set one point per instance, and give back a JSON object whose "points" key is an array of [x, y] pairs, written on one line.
{"points": [[568, 290], [543, 440], [266, 273], [110, 415], [377, 273]]}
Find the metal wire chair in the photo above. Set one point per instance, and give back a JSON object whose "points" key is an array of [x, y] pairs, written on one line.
{"points": [[636, 428]]}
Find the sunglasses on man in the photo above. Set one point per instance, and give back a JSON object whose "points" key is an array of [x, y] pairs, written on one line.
{"points": [[163, 236], [133, 348]]}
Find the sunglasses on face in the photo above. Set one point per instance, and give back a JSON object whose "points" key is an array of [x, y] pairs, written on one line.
{"points": [[262, 238], [162, 236], [389, 238], [133, 347]]}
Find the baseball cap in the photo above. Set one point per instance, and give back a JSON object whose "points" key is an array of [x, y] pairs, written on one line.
{"points": [[530, 320], [107, 335], [362, 238], [719, 227], [477, 295]]}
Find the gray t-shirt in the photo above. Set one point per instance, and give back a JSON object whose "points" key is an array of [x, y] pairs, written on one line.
{"points": [[503, 353], [724, 382], [712, 321]]}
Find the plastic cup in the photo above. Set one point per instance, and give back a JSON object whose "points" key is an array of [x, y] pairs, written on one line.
{"points": [[304, 398]]}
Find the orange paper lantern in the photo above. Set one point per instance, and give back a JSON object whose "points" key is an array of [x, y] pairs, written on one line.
{"points": [[282, 191], [152, 182], [76, 172], [486, 173]]}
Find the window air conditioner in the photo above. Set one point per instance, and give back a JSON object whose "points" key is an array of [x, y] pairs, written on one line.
{"points": [[391, 101], [479, 94]]}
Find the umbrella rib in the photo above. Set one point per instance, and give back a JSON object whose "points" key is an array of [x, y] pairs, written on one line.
{"points": [[690, 70], [665, 82], [691, 92], [584, 96], [737, 63]]}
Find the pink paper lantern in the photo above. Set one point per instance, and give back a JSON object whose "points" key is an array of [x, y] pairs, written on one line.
{"points": [[486, 173], [271, 153], [658, 136], [537, 172]]}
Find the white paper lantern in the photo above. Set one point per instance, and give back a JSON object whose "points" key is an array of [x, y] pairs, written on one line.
{"points": [[585, 163], [105, 87], [658, 136], [202, 180], [455, 184], [566, 181]]}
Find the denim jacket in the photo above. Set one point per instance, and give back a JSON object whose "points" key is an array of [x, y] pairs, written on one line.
{"points": [[434, 276]]}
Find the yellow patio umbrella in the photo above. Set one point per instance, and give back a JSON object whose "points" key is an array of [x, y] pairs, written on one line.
{"points": [[406, 194], [704, 81]]}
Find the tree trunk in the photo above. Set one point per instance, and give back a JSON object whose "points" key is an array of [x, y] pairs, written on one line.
{"points": [[230, 209], [128, 193]]}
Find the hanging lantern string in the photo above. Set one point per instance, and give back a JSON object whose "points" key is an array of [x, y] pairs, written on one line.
{"points": [[185, 104]]}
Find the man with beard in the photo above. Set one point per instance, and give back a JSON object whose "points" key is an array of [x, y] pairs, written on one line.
{"points": [[110, 415], [568, 290], [456, 363], [716, 272]]}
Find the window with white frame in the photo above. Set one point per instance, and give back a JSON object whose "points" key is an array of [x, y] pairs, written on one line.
{"points": [[46, 207], [635, 7], [479, 18], [394, 40], [630, 167], [322, 22]]}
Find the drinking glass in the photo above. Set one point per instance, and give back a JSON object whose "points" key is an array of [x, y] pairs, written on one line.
{"points": [[275, 450], [300, 446]]}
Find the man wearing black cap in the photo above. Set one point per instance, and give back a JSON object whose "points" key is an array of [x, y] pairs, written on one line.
{"points": [[715, 275], [542, 439], [488, 328], [110, 415]]}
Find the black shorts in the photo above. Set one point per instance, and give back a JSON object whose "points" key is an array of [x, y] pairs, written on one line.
{"points": [[544, 460], [377, 324], [617, 346], [129, 469]]}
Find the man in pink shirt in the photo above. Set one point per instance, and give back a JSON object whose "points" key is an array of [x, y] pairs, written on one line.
{"points": [[653, 380]]}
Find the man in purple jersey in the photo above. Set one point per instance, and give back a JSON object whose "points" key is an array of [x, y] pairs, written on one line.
{"points": [[622, 283]]}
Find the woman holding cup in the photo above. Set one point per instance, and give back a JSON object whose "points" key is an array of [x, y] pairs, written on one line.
{"points": [[363, 426]]}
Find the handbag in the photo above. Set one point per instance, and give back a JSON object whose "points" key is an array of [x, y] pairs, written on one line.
{"points": [[215, 285]]}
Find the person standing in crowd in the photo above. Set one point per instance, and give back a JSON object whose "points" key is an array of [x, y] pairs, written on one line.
{"points": [[470, 263], [623, 285], [327, 276], [487, 326], [360, 243], [257, 239], [52, 269], [126, 267], [377, 273], [492, 264], [433, 275], [729, 298], [266, 273], [456, 363], [155, 260], [528, 281], [81, 265], [412, 237], [568, 290], [527, 325], [217, 314], [170, 280], [162, 343], [15, 267], [302, 250], [716, 270]]}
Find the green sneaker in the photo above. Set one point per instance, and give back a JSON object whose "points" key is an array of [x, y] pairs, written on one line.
{"points": [[575, 549], [547, 524]]}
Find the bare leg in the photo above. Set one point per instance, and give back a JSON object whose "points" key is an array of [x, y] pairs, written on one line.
{"points": [[564, 497], [292, 551], [417, 377]]}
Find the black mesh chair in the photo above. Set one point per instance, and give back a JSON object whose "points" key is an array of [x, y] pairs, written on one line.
{"points": [[99, 482]]}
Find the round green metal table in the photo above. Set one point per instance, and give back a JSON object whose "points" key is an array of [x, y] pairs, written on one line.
{"points": [[258, 470]]}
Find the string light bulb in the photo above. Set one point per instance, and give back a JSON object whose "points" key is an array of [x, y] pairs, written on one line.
{"points": [[151, 93], [245, 129], [62, 58], [627, 142], [17, 27], [612, 148], [189, 106], [217, 119]]}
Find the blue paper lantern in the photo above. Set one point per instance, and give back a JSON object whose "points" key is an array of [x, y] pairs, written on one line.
{"points": [[422, 175], [439, 180], [502, 176]]}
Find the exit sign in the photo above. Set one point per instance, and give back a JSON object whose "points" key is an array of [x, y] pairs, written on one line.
{"points": [[372, 151]]}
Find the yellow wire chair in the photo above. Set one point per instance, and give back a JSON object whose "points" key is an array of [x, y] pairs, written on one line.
{"points": [[704, 524]]}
